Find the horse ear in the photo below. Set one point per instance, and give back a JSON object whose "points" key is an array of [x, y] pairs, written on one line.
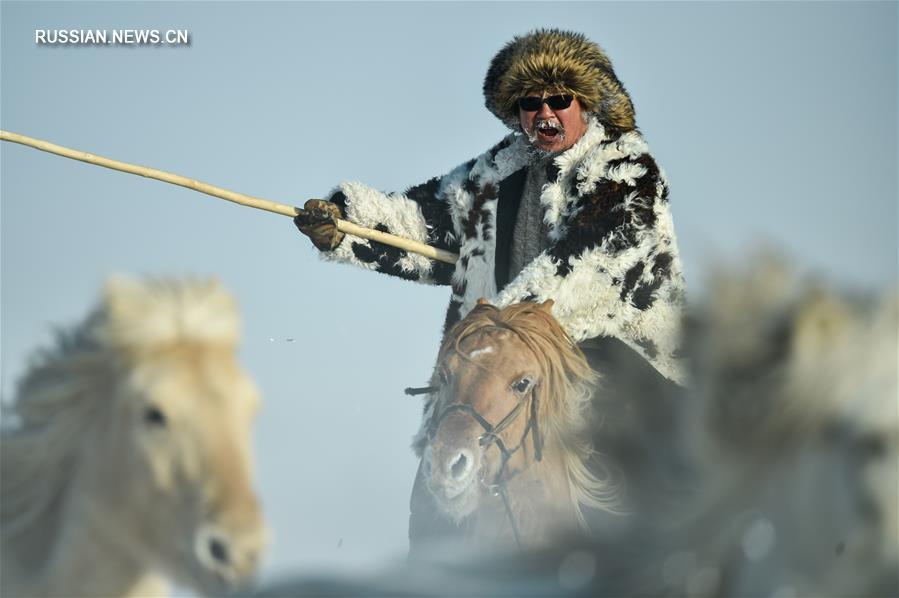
{"points": [[483, 301], [547, 306]]}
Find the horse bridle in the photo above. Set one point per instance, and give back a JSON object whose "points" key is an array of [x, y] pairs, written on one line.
{"points": [[491, 437]]}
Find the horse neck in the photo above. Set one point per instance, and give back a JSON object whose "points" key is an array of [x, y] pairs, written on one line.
{"points": [[73, 534], [37, 489], [50, 558], [87, 538], [543, 485]]}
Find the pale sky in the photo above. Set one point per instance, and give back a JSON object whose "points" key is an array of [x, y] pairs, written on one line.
{"points": [[775, 123]]}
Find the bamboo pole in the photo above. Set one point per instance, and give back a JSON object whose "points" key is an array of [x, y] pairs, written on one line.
{"points": [[343, 226]]}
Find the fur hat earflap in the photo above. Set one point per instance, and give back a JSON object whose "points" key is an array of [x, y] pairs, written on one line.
{"points": [[555, 61]]}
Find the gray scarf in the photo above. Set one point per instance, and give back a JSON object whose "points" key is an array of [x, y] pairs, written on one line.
{"points": [[529, 237]]}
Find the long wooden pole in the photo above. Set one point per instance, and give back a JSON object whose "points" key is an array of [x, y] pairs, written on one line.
{"points": [[344, 226]]}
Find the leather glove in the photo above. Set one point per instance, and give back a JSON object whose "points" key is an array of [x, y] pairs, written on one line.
{"points": [[318, 221]]}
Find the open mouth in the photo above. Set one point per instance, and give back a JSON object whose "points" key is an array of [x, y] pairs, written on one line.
{"points": [[549, 131]]}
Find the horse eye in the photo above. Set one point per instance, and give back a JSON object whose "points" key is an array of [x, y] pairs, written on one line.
{"points": [[522, 386], [154, 416]]}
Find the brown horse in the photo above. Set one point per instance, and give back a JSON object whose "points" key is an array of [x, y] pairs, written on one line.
{"points": [[506, 435]]}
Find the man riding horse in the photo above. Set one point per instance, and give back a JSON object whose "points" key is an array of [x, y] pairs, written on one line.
{"points": [[570, 206]]}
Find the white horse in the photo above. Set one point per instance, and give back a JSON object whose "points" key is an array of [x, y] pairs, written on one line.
{"points": [[127, 461], [795, 424]]}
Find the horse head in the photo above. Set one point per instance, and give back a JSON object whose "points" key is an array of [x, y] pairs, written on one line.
{"points": [[149, 410], [178, 435], [509, 386]]}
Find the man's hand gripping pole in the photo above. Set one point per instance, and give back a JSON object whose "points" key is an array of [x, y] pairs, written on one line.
{"points": [[343, 226]]}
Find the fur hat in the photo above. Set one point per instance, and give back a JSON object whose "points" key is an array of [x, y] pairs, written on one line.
{"points": [[556, 61]]}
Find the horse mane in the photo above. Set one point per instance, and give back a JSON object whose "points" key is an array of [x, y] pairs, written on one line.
{"points": [[563, 396], [65, 386]]}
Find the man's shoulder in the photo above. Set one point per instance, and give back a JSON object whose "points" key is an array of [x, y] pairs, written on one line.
{"points": [[503, 159], [621, 156]]}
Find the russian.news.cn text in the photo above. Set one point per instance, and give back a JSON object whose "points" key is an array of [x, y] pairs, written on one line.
{"points": [[112, 37]]}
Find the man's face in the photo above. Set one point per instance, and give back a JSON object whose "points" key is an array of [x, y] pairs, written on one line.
{"points": [[553, 130]]}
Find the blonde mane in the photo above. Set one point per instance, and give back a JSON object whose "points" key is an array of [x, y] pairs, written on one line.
{"points": [[563, 397], [67, 386]]}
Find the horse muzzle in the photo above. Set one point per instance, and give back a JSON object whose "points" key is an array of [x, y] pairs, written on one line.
{"points": [[452, 478], [230, 557]]}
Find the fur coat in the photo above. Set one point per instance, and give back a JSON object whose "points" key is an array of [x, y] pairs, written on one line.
{"points": [[612, 266]]}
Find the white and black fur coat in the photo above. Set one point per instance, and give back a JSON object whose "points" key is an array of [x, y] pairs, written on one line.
{"points": [[612, 266]]}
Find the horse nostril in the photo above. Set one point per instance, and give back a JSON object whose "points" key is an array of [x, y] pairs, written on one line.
{"points": [[459, 466], [219, 551]]}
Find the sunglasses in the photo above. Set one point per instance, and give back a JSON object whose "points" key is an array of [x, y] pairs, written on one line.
{"points": [[533, 103]]}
